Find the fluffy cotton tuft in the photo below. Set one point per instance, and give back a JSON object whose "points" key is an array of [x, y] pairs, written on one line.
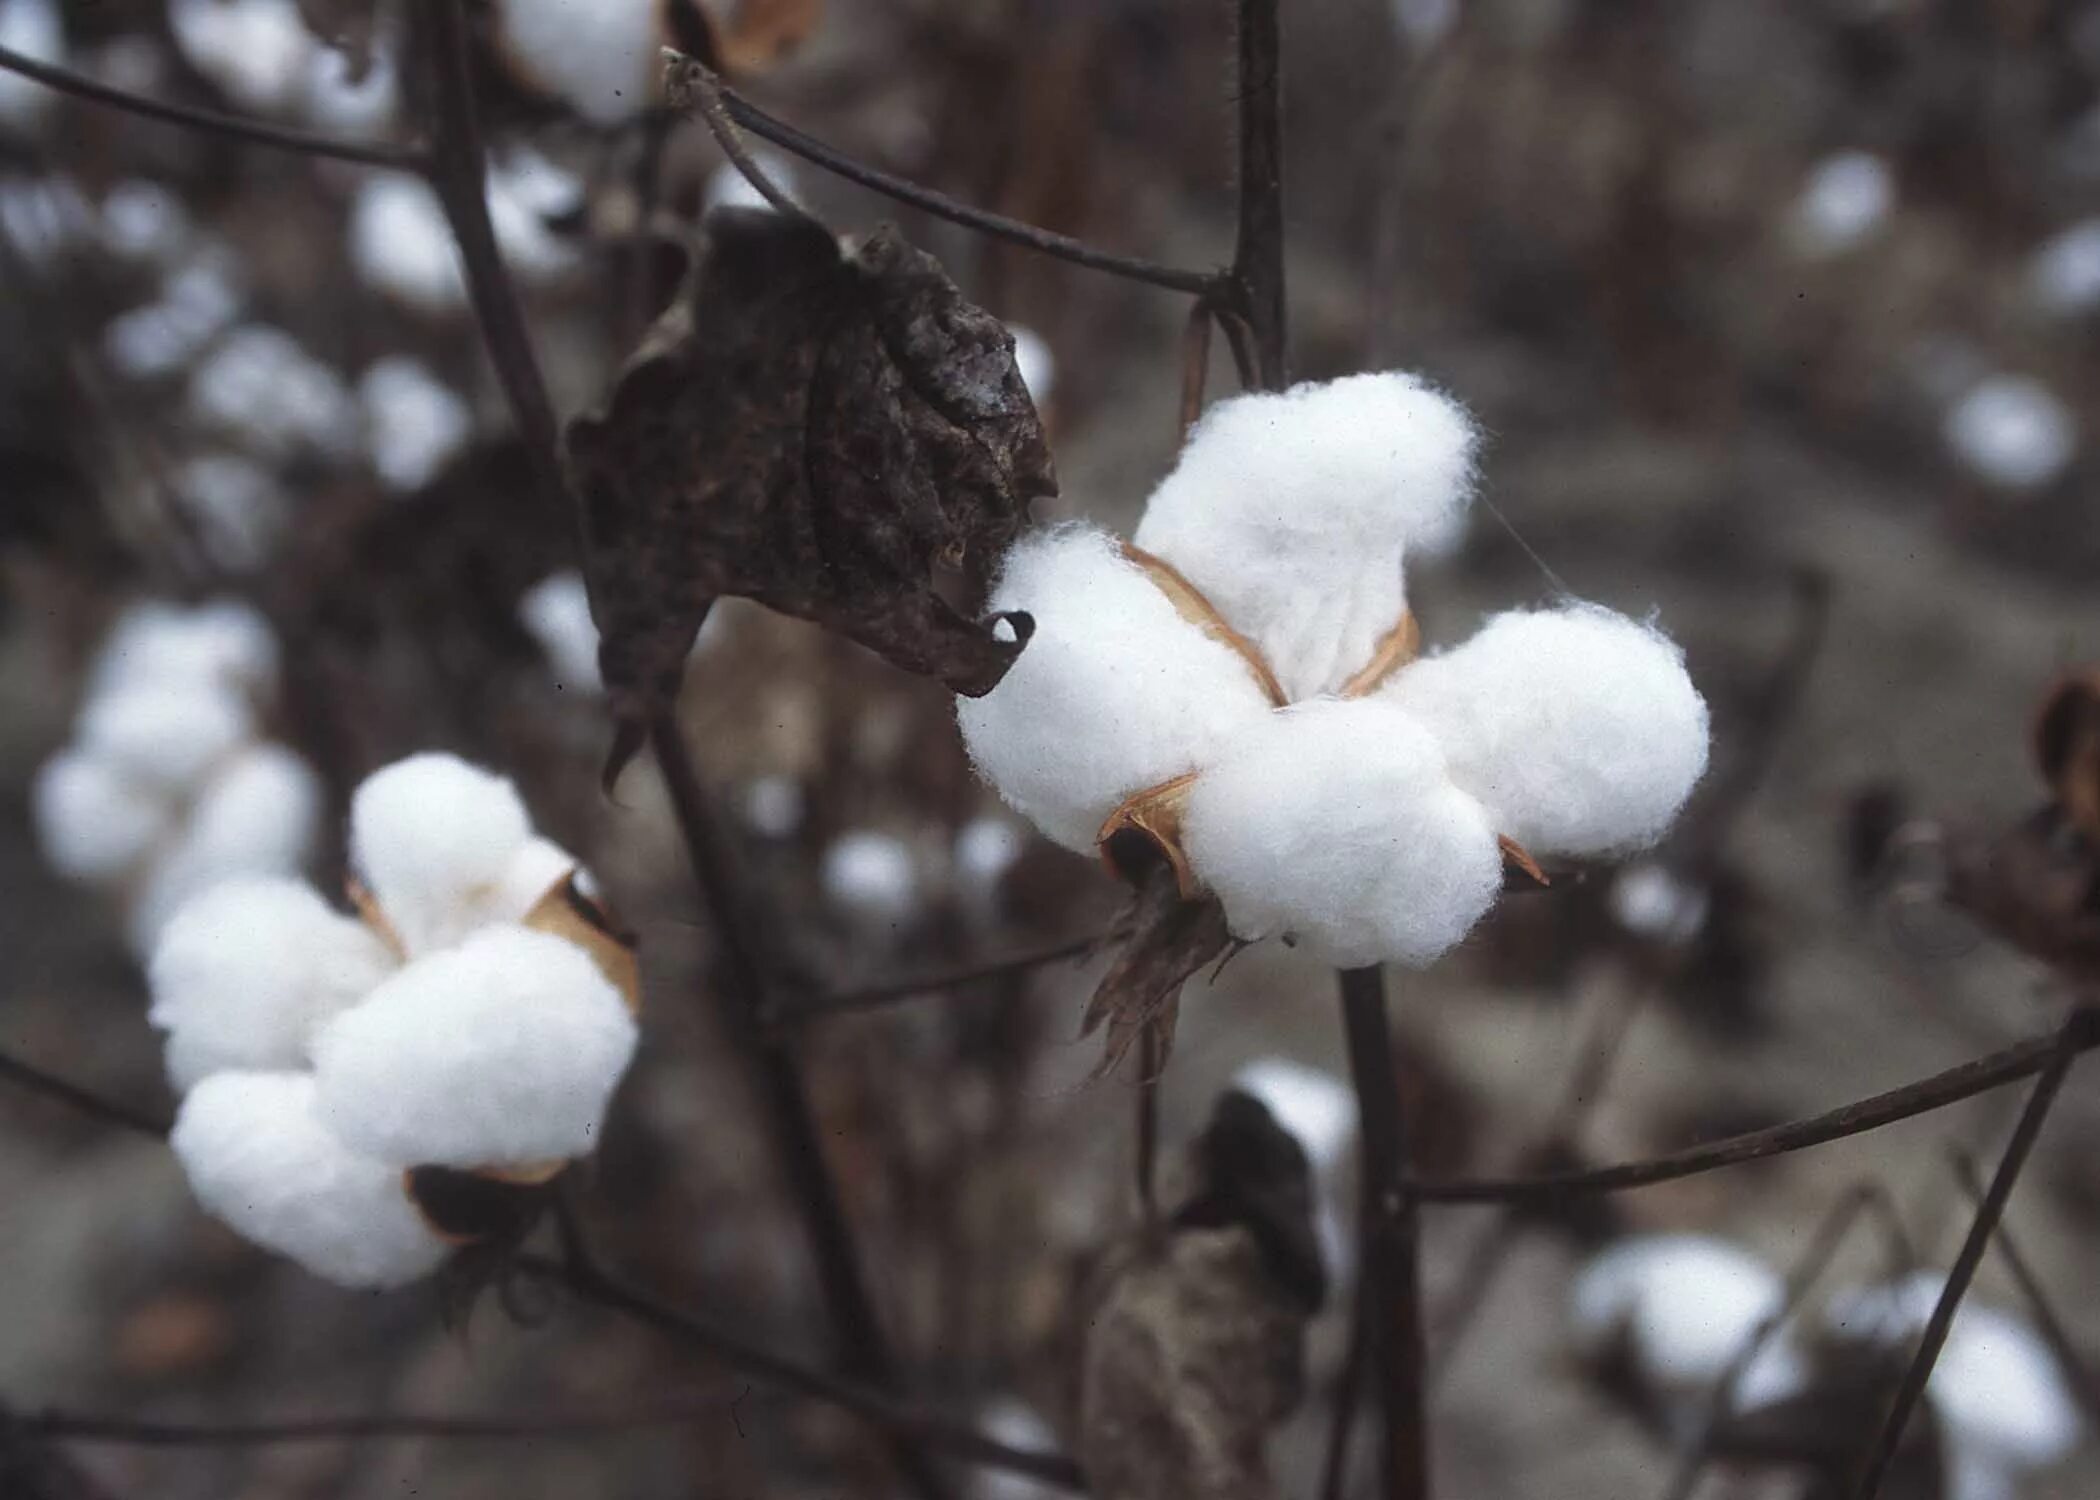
{"points": [[246, 973], [93, 823], [872, 877], [1652, 901], [1114, 693], [432, 838], [401, 244], [260, 814], [556, 612], [257, 52], [985, 849], [599, 56], [1845, 199], [413, 421], [164, 737], [1577, 728], [1996, 1385], [1686, 1305], [259, 1160], [1293, 512], [259, 383], [1311, 1103], [503, 1050], [222, 644], [1335, 823], [2013, 432]]}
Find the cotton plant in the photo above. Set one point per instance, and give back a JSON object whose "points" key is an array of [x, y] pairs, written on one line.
{"points": [[169, 784], [473, 1017], [1240, 686], [402, 245], [2000, 1396]]}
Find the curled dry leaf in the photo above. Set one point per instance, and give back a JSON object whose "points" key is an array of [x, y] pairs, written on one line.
{"points": [[2067, 748], [1195, 1345], [1171, 937], [820, 429]]}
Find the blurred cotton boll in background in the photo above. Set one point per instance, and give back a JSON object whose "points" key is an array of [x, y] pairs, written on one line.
{"points": [[414, 422], [556, 611], [728, 187], [255, 51], [873, 879], [611, 79], [260, 384], [2013, 432], [2064, 276], [34, 29], [1846, 198]]}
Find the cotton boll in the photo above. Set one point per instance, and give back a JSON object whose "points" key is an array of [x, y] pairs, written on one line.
{"points": [[413, 421], [432, 838], [1335, 823], [556, 612], [1316, 1107], [985, 849], [165, 738], [1577, 728], [1846, 196], [525, 190], [223, 645], [244, 974], [1114, 693], [255, 51], [401, 244], [504, 1050], [609, 79], [197, 304], [93, 823], [728, 187], [1652, 901], [2013, 432], [261, 384], [527, 877], [1038, 367], [1292, 512], [144, 221], [34, 29], [258, 815], [259, 1160], [351, 106], [2064, 276], [1687, 1305], [44, 218], [872, 877]]}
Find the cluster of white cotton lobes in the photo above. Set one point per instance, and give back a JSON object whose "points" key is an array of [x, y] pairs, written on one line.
{"points": [[322, 1056], [1683, 1307], [167, 787], [1322, 785]]}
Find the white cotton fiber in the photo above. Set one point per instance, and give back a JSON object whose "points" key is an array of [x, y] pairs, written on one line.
{"points": [[223, 644], [352, 106], [1037, 365], [1293, 512], [525, 189], [1334, 822], [504, 1050], [1577, 728], [985, 849], [1996, 1384], [872, 877], [1652, 901], [432, 838], [2064, 276], [1687, 1305], [1114, 693], [246, 973], [414, 422], [259, 383], [259, 1160], [600, 56], [164, 737], [1012, 1421], [1316, 1107], [401, 244], [1845, 198], [2013, 432], [556, 611], [34, 29], [197, 303], [527, 877], [255, 51], [259, 814], [93, 823], [144, 220]]}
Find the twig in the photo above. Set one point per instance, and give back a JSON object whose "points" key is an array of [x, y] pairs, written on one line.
{"points": [[1257, 261], [1348, 1395], [784, 1015], [95, 1427], [2021, 1060], [941, 206], [1988, 1211], [2075, 1366], [215, 122], [1195, 365], [862, 1344], [690, 84], [86, 1101], [1389, 1276]]}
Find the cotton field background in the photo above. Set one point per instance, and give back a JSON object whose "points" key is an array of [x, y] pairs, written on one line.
{"points": [[611, 773]]}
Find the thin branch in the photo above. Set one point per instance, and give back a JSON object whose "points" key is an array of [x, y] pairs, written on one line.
{"points": [[136, 1432], [36, 1081], [941, 206], [897, 1418], [1348, 1395], [2021, 1060], [690, 84], [1992, 1207], [1195, 365], [785, 1015], [1389, 1291], [1257, 261], [215, 122], [2076, 1368]]}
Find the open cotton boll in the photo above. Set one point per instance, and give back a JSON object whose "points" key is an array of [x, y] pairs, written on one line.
{"points": [[401, 244], [556, 612], [93, 823], [260, 1161], [598, 56], [164, 737], [1996, 1385], [503, 1050], [255, 51], [34, 29], [261, 384], [433, 839], [1335, 823], [527, 877], [257, 815], [1577, 728], [1293, 511], [2012, 431], [244, 974], [1115, 693], [223, 644], [414, 422], [872, 877], [1687, 1304], [1846, 197]]}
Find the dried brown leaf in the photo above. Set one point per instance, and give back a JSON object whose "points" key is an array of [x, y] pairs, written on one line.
{"points": [[1170, 939], [2067, 748], [820, 430]]}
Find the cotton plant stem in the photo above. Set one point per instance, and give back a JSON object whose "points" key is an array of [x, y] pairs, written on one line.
{"points": [[785, 1014], [1258, 259], [32, 1079], [2047, 1084]]}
